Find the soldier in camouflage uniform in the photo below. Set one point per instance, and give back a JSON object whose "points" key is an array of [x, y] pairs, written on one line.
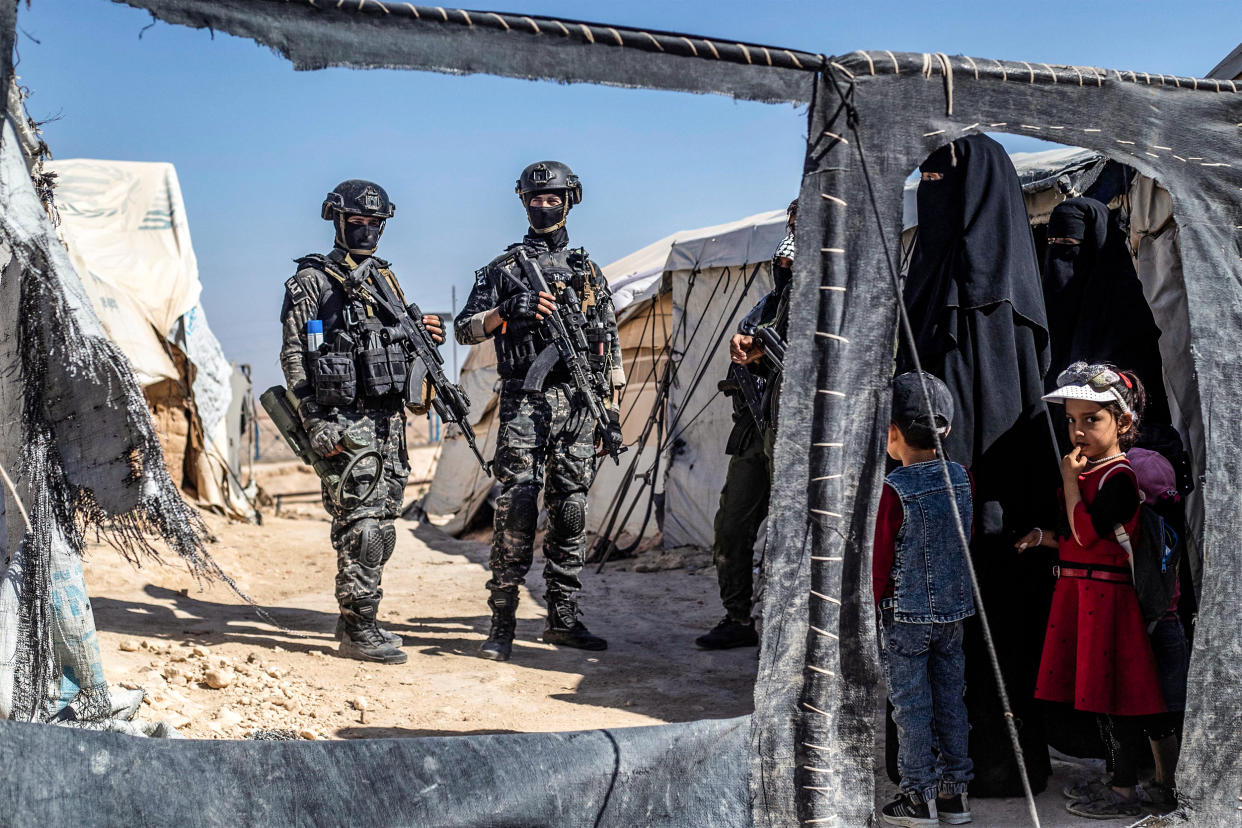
{"points": [[547, 440], [351, 399], [744, 498]]}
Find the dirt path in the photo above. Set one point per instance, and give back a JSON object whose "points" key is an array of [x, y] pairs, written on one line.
{"points": [[158, 630]]}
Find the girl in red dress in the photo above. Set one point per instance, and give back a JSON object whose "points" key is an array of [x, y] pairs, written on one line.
{"points": [[1097, 655]]}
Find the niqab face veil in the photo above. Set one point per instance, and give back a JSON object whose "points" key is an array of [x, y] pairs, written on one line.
{"points": [[974, 253], [1096, 308]]}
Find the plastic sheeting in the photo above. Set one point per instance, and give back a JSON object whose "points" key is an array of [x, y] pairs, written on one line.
{"points": [[78, 445], [124, 225], [606, 778], [819, 689], [708, 304]]}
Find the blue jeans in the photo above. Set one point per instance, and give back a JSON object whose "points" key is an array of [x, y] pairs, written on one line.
{"points": [[927, 683]]}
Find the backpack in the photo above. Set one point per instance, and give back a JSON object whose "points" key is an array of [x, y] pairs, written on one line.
{"points": [[1159, 542]]}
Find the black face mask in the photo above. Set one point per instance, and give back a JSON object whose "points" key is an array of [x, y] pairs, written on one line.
{"points": [[360, 238], [546, 219]]}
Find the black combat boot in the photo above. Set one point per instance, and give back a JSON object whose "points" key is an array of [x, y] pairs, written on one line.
{"points": [[565, 630], [363, 638], [391, 637], [729, 634], [499, 641]]}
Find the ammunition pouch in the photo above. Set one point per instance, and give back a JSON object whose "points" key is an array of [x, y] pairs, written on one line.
{"points": [[336, 383], [515, 352], [382, 369]]}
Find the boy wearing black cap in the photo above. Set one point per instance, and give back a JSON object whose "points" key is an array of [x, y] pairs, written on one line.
{"points": [[922, 589]]}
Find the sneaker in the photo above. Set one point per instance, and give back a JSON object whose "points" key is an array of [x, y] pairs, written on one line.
{"points": [[392, 638], [1158, 797], [955, 810], [1107, 805], [729, 634], [909, 810], [1087, 788]]}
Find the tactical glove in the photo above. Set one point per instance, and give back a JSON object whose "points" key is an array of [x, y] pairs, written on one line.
{"points": [[519, 307], [325, 437], [613, 430]]}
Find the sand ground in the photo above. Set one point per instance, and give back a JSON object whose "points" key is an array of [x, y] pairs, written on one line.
{"points": [[161, 630]]}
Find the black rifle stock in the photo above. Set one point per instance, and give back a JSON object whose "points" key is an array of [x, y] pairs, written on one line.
{"points": [[404, 326], [571, 346]]}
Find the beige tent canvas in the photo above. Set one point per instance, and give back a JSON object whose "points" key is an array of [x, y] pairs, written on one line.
{"points": [[678, 300], [124, 225]]}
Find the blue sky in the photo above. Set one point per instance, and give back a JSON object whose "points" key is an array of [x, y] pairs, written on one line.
{"points": [[257, 145]]}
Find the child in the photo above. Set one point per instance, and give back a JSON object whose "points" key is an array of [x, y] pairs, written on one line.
{"points": [[1097, 655], [923, 590]]}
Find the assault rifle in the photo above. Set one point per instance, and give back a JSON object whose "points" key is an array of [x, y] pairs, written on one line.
{"points": [[771, 342], [403, 325], [569, 345], [742, 381]]}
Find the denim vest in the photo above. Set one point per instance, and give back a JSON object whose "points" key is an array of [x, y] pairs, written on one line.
{"points": [[931, 584]]}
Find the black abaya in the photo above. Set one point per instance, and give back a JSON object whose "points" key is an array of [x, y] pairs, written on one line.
{"points": [[975, 300], [1096, 308]]}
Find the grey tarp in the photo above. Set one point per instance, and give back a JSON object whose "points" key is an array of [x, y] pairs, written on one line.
{"points": [[811, 736], [1181, 132], [668, 775]]}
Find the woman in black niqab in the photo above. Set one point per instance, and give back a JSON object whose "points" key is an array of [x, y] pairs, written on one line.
{"points": [[975, 301], [1096, 308]]}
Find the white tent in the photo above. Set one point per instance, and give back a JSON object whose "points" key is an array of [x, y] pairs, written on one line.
{"points": [[677, 299], [125, 227]]}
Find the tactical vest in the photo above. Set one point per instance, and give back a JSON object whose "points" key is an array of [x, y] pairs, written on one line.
{"points": [[519, 342], [353, 364]]}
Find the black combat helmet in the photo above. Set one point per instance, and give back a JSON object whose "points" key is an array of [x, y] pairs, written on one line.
{"points": [[356, 197], [548, 177]]}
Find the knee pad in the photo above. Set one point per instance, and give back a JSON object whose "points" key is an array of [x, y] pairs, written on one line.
{"points": [[373, 543], [571, 516], [387, 541], [521, 508]]}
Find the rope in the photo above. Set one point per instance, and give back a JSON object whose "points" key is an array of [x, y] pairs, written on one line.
{"points": [[908, 334], [650, 40], [16, 499]]}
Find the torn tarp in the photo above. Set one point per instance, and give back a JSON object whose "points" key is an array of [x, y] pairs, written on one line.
{"points": [[396, 35]]}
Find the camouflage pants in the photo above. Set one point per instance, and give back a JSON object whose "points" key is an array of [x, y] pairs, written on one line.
{"points": [[743, 506], [362, 530], [545, 442]]}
